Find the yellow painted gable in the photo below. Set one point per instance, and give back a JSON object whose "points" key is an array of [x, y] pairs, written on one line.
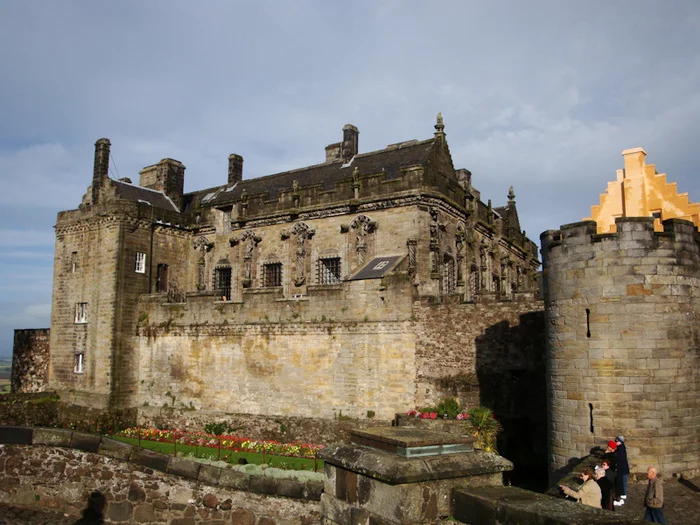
{"points": [[640, 191]]}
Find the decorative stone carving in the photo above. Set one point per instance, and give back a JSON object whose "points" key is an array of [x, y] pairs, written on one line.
{"points": [[411, 245], [303, 233], [249, 240], [363, 227]]}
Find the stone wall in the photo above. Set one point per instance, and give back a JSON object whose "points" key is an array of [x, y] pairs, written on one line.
{"points": [[285, 429], [45, 409], [622, 336], [489, 354], [30, 360], [344, 351], [55, 469]]}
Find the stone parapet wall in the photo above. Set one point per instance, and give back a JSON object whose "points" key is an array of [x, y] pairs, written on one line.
{"points": [[496, 505], [622, 338], [57, 469], [30, 360]]}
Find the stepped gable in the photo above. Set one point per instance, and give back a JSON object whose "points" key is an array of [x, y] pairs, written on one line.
{"points": [[389, 160], [641, 191], [132, 192]]}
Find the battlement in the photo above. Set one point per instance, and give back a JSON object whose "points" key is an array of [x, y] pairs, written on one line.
{"points": [[633, 233]]}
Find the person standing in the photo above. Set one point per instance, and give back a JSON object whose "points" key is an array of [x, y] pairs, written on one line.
{"points": [[654, 498], [606, 488], [623, 470], [589, 493]]}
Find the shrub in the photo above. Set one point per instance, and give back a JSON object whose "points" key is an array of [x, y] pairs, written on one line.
{"points": [[448, 406], [482, 424], [217, 428]]}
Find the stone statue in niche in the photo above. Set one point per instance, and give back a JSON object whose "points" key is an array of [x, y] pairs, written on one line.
{"points": [[363, 227], [202, 245], [303, 233], [249, 240]]}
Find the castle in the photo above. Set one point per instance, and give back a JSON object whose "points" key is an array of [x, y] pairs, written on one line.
{"points": [[372, 283]]}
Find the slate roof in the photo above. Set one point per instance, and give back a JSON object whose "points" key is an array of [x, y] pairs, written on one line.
{"points": [[132, 192], [390, 160]]}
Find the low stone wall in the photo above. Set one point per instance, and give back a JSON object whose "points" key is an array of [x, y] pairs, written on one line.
{"points": [[497, 505], [45, 409], [57, 469], [278, 428]]}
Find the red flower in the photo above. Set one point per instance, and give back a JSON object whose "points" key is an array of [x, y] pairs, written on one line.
{"points": [[433, 415]]}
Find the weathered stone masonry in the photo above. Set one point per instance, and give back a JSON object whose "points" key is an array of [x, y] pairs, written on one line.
{"points": [[57, 469], [259, 297], [622, 341]]}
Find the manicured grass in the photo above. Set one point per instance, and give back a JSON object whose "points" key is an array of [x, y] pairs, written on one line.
{"points": [[229, 456]]}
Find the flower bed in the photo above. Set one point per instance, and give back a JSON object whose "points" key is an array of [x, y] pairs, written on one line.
{"points": [[223, 442]]}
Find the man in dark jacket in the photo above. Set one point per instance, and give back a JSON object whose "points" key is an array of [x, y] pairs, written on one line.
{"points": [[623, 468]]}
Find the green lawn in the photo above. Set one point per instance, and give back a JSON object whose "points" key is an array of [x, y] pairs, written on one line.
{"points": [[226, 455]]}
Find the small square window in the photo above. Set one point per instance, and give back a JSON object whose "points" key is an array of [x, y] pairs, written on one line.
{"points": [[329, 270], [140, 266], [656, 214], [78, 363], [272, 274], [81, 312]]}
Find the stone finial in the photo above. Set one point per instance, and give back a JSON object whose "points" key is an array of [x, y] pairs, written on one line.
{"points": [[511, 195], [439, 126]]}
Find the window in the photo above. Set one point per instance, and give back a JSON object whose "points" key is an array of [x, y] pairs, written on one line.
{"points": [[329, 270], [272, 274], [226, 216], [78, 362], [222, 282], [140, 266], [162, 278], [73, 262], [81, 312], [450, 281], [656, 214]]}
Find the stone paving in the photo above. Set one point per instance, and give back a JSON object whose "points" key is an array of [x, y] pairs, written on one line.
{"points": [[682, 507]]}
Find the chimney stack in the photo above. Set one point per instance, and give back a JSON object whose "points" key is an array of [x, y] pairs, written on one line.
{"points": [[350, 142], [100, 168], [235, 168]]}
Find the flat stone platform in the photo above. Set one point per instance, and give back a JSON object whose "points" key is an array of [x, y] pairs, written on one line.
{"points": [[412, 442]]}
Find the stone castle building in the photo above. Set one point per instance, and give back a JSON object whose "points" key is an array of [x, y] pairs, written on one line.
{"points": [[621, 311], [373, 283], [359, 286]]}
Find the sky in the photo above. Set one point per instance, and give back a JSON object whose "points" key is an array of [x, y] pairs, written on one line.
{"points": [[540, 95]]}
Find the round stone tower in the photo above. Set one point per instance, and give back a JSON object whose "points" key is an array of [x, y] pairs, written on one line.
{"points": [[623, 347]]}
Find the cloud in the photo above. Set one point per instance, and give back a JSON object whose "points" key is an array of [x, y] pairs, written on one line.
{"points": [[540, 95]]}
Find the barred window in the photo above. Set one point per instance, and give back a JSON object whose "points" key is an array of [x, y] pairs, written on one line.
{"points": [[78, 362], [140, 265], [329, 270], [272, 274], [449, 275], [222, 282], [81, 312]]}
